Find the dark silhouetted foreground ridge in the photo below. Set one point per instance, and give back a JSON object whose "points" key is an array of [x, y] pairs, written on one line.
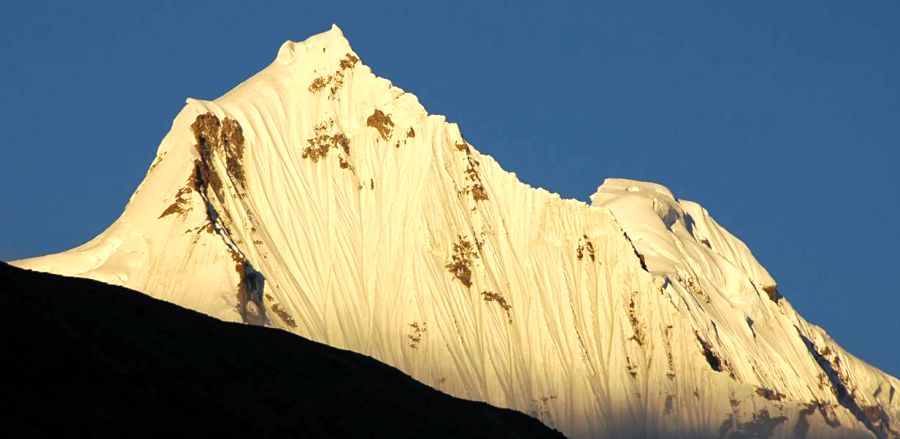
{"points": [[88, 359]]}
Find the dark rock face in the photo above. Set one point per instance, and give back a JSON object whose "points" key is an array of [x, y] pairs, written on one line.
{"points": [[89, 359], [224, 139], [382, 123], [772, 292]]}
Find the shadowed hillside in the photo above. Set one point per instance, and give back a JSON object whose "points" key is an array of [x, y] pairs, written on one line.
{"points": [[86, 358]]}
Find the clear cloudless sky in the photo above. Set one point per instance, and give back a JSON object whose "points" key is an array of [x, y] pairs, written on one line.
{"points": [[782, 118]]}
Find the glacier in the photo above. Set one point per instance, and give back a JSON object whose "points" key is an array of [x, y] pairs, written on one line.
{"points": [[321, 199]]}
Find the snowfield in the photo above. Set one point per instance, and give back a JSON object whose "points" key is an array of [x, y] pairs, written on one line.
{"points": [[319, 198]]}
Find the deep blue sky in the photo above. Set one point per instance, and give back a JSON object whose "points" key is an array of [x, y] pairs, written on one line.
{"points": [[782, 118]]}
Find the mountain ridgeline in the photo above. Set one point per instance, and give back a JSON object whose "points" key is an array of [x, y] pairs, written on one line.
{"points": [[321, 199]]}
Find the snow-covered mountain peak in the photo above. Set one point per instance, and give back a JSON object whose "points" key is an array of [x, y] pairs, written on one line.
{"points": [[331, 43], [319, 198]]}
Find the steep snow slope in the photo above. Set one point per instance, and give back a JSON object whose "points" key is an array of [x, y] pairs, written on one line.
{"points": [[319, 198]]}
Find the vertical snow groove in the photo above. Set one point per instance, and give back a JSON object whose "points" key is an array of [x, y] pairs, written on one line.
{"points": [[628, 239], [844, 396], [715, 363], [213, 137]]}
